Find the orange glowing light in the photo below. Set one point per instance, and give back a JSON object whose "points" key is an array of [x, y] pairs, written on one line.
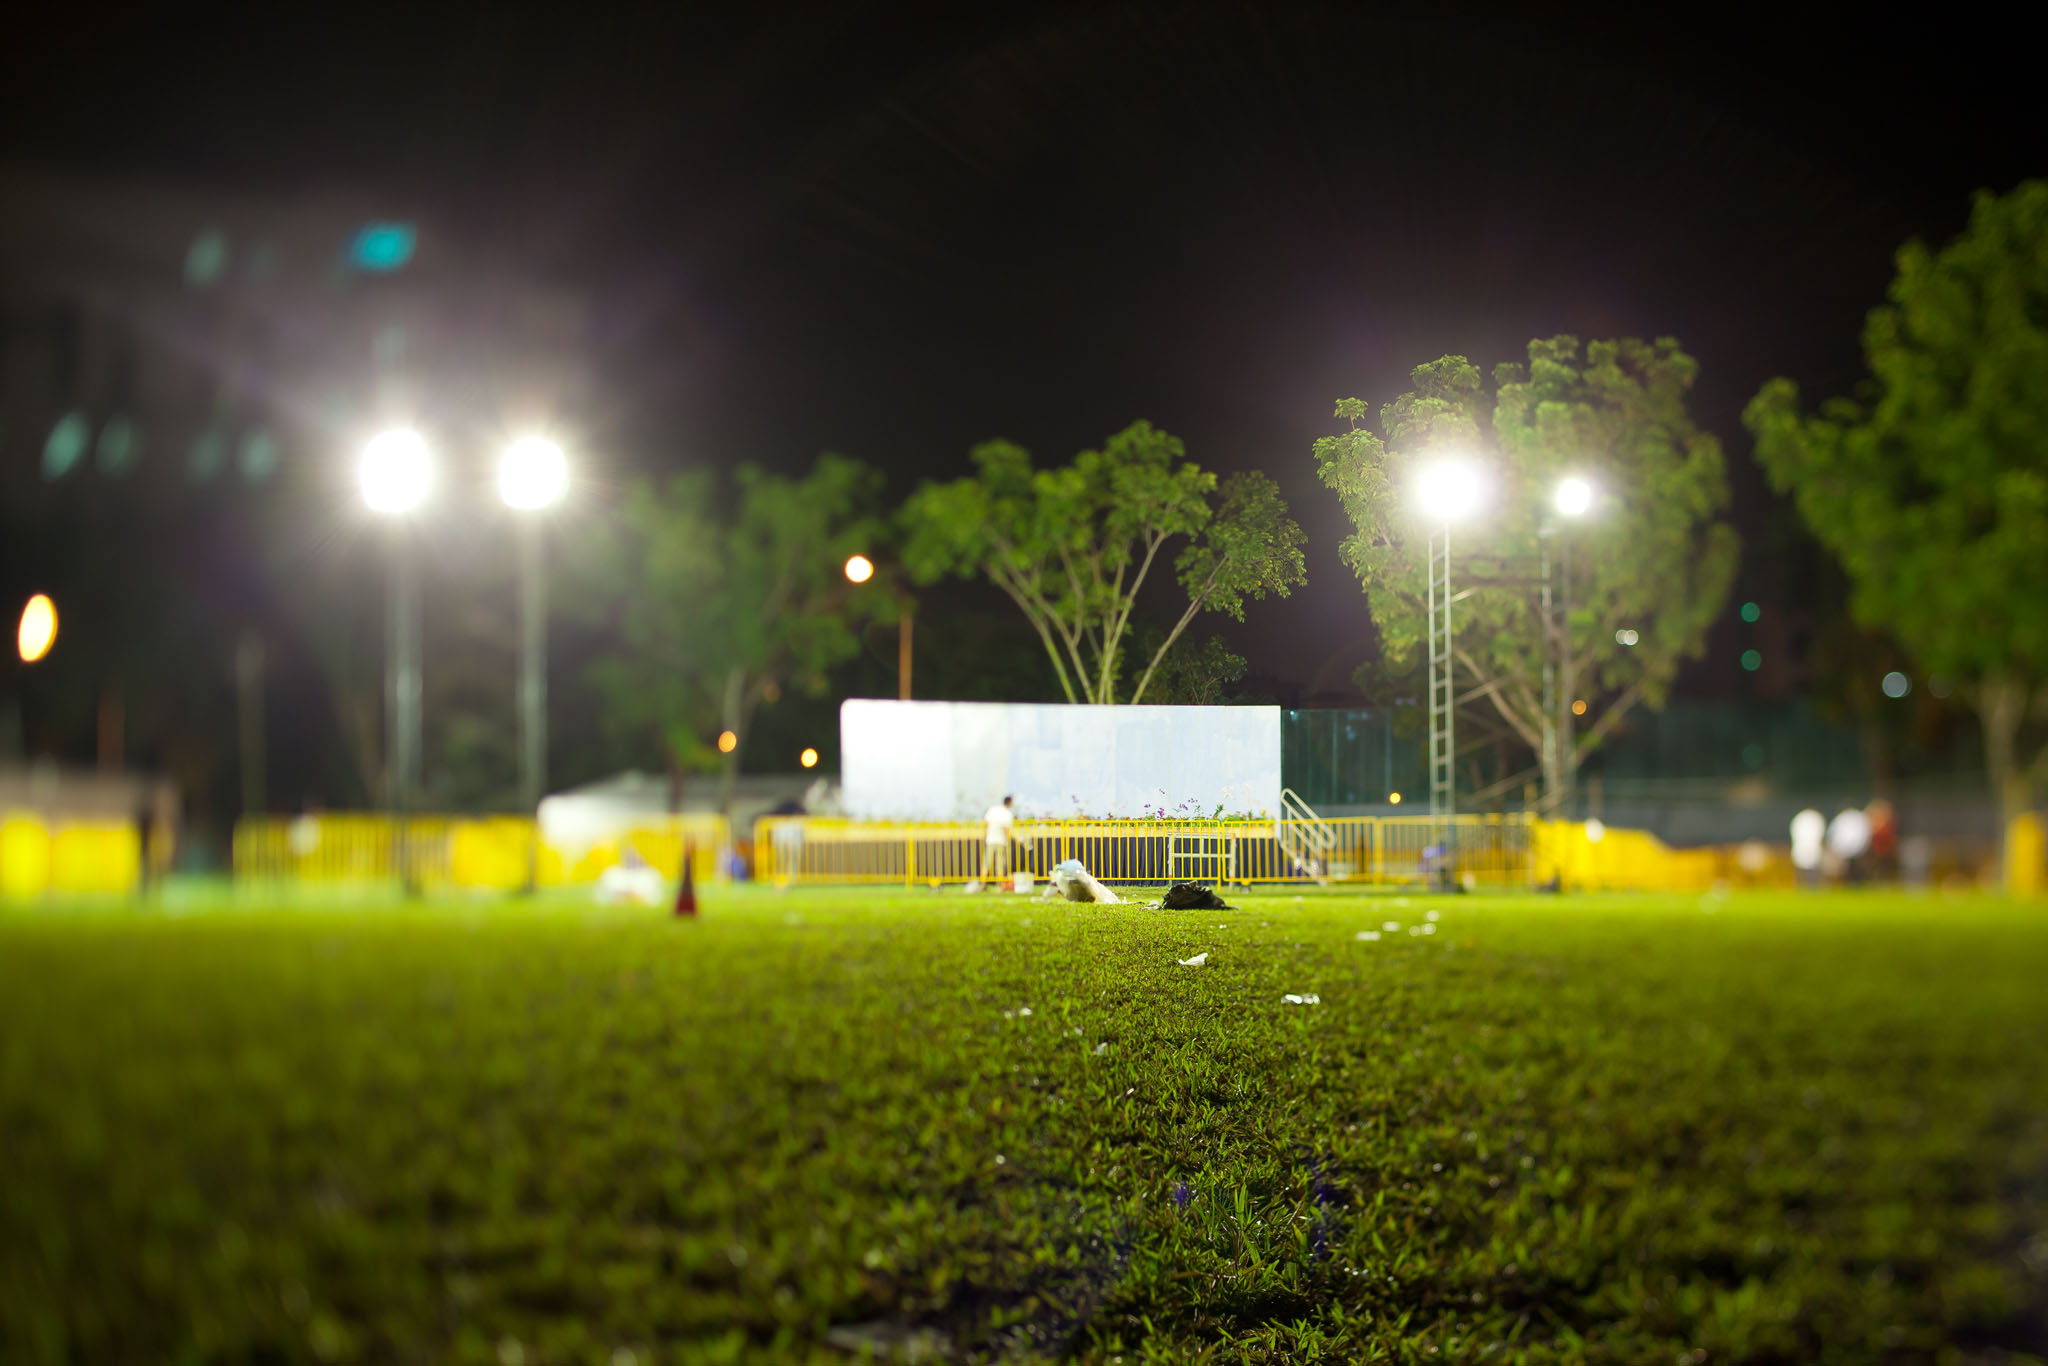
{"points": [[727, 742], [38, 629], [809, 758]]}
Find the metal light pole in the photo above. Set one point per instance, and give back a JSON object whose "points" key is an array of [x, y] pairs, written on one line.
{"points": [[533, 475], [1449, 490], [1573, 499], [395, 475], [859, 569]]}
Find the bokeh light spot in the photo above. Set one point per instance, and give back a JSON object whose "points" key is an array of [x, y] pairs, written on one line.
{"points": [[38, 629], [65, 446]]}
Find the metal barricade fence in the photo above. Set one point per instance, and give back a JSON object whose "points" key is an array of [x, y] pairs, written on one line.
{"points": [[1493, 850], [362, 849]]}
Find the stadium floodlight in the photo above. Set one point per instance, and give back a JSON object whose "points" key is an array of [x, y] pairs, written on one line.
{"points": [[1574, 497], [396, 471], [859, 569], [37, 631], [532, 474], [1450, 490]]}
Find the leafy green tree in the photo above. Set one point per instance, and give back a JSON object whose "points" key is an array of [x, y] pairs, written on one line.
{"points": [[1196, 675], [1652, 557], [720, 608], [1073, 546], [1931, 486]]}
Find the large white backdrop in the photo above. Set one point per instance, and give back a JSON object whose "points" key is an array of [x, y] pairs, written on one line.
{"points": [[953, 760]]}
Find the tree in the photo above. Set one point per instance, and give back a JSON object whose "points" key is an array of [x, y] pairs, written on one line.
{"points": [[1073, 546], [1931, 486], [719, 609], [1196, 675], [1653, 559]]}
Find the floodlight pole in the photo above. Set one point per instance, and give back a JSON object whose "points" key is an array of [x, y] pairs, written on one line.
{"points": [[1443, 746], [533, 680], [1566, 685], [402, 698], [1443, 741]]}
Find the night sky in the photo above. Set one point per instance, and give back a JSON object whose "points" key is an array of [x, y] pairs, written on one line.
{"points": [[896, 231]]}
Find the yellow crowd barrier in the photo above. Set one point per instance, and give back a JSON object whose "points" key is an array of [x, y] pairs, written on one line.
{"points": [[39, 855], [482, 853], [1492, 850]]}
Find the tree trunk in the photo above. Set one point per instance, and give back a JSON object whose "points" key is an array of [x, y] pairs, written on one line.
{"points": [[2001, 706], [735, 713]]}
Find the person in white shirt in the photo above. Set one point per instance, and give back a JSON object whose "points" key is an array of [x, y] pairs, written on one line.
{"points": [[999, 823]]}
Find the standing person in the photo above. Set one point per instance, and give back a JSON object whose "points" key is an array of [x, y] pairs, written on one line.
{"points": [[998, 825], [1884, 840]]}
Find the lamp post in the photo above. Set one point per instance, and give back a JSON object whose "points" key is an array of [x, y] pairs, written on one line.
{"points": [[395, 475], [1572, 499], [1449, 490], [859, 569], [533, 475]]}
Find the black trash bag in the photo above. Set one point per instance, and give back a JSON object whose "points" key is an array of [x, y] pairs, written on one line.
{"points": [[1193, 896]]}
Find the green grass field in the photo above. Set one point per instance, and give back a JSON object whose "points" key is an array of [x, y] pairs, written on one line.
{"points": [[820, 1125]]}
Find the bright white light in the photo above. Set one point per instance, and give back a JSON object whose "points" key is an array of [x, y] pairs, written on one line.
{"points": [[37, 631], [1849, 833], [1809, 828], [1449, 490], [1626, 636], [1574, 496], [1897, 684], [859, 569], [532, 474], [396, 471], [1595, 831]]}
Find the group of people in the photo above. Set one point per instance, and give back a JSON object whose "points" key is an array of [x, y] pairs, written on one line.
{"points": [[1858, 845]]}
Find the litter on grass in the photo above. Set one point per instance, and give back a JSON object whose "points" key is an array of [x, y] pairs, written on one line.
{"points": [[1077, 884], [1305, 999], [1369, 936], [1194, 962], [1192, 896], [1392, 926]]}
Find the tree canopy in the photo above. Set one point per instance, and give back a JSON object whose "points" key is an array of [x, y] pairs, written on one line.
{"points": [[1648, 568], [1073, 546], [1931, 485], [722, 604]]}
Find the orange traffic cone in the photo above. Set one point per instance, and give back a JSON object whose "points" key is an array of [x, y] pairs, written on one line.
{"points": [[686, 895]]}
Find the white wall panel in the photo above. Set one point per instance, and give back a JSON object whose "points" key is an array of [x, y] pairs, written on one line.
{"points": [[952, 760]]}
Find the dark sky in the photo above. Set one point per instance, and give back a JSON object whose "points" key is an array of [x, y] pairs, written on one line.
{"points": [[894, 231]]}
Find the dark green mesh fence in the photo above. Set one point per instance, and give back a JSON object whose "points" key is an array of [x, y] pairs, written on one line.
{"points": [[1350, 757]]}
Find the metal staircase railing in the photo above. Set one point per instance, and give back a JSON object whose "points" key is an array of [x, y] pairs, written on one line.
{"points": [[1307, 837]]}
